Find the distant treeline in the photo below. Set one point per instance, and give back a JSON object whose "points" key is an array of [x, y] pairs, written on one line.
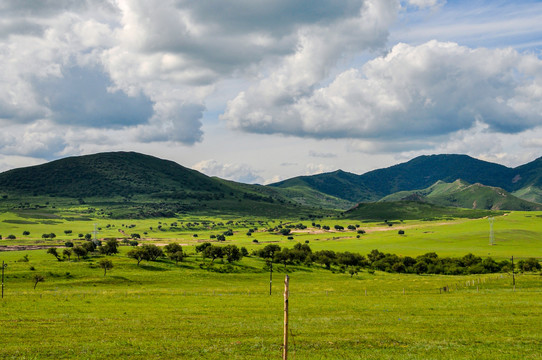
{"points": [[429, 263]]}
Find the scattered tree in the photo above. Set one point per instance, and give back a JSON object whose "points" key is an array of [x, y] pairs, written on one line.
{"points": [[67, 253], [38, 278], [80, 251], [53, 251], [106, 264]]}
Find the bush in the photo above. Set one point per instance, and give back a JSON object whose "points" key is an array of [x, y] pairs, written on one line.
{"points": [[68, 244], [11, 237], [401, 232], [26, 233]]}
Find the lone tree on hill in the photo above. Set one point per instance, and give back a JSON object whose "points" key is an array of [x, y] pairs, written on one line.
{"points": [[106, 264]]}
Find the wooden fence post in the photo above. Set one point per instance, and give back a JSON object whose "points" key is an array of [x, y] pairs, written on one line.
{"points": [[286, 296]]}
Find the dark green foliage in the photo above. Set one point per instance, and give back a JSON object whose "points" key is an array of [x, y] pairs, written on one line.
{"points": [[54, 252], [26, 233], [232, 253], [268, 252], [213, 252], [174, 251], [67, 253], [202, 247], [80, 252], [110, 247], [106, 264], [11, 237], [135, 236], [285, 231], [148, 252], [68, 244]]}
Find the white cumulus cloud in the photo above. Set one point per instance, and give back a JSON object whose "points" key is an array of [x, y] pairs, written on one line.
{"points": [[429, 90]]}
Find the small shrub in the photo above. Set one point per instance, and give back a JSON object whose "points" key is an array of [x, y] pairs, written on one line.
{"points": [[401, 232], [68, 244]]}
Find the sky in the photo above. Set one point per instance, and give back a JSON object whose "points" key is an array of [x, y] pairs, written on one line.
{"points": [[259, 91]]}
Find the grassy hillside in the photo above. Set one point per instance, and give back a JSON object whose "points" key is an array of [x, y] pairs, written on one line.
{"points": [[133, 185], [424, 171], [409, 210], [465, 195]]}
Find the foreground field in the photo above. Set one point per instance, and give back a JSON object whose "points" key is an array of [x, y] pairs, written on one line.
{"points": [[164, 311]]}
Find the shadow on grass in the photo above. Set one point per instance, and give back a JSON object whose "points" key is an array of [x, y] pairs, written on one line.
{"points": [[151, 268]]}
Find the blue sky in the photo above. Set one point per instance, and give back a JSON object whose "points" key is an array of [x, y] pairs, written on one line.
{"points": [[263, 90]]}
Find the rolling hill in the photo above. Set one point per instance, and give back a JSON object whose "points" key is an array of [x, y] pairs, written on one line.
{"points": [[465, 195], [131, 184], [419, 173]]}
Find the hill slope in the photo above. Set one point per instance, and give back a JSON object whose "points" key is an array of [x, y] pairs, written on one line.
{"points": [[138, 185], [422, 172], [465, 195]]}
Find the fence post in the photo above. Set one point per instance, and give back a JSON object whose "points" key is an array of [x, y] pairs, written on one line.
{"points": [[286, 296]]}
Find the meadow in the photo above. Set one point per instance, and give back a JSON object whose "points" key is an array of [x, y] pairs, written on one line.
{"points": [[163, 310]]}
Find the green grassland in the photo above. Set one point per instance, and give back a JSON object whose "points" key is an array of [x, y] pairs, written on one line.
{"points": [[516, 233], [162, 310]]}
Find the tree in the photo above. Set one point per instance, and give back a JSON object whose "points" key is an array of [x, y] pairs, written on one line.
{"points": [[38, 278], [213, 252], [177, 256], [67, 253], [174, 251], [26, 233], [201, 247], [353, 270], [285, 231], [137, 253], [232, 253], [153, 251], [53, 251], [268, 252], [79, 251], [67, 232], [106, 264], [88, 236], [110, 247], [11, 237]]}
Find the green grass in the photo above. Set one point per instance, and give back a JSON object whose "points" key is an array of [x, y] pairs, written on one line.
{"points": [[167, 311], [162, 310]]}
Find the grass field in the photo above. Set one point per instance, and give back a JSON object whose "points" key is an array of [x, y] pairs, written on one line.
{"points": [[161, 310], [164, 311]]}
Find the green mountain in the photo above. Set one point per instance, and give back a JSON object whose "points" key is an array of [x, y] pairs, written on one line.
{"points": [[465, 195], [422, 172], [129, 184]]}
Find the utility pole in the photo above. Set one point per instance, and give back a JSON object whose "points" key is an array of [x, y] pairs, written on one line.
{"points": [[4, 265], [270, 275], [513, 273]]}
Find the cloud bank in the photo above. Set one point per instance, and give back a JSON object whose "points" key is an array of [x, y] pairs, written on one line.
{"points": [[423, 91]]}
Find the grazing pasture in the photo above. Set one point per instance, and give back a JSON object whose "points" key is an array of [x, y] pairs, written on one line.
{"points": [[165, 310]]}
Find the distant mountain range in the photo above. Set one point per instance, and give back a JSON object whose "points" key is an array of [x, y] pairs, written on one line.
{"points": [[141, 185], [421, 173]]}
